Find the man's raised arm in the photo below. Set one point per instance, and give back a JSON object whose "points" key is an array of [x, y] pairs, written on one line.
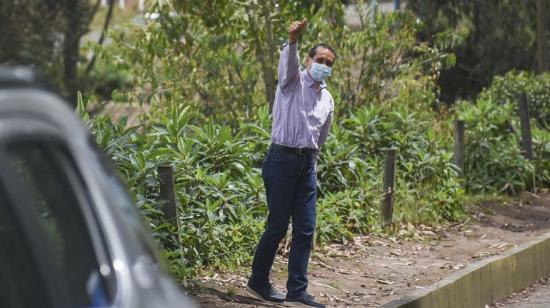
{"points": [[288, 63]]}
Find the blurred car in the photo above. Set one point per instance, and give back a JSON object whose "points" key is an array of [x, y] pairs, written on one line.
{"points": [[70, 235]]}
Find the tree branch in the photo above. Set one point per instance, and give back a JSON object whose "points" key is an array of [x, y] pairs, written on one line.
{"points": [[103, 33]]}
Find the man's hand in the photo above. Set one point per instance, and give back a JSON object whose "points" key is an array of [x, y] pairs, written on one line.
{"points": [[295, 29]]}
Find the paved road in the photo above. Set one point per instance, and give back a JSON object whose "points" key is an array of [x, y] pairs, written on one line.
{"points": [[536, 296]]}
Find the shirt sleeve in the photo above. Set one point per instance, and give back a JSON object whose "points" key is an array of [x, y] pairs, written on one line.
{"points": [[323, 134], [289, 66]]}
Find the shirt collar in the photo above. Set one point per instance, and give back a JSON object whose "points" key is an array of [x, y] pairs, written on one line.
{"points": [[312, 83]]}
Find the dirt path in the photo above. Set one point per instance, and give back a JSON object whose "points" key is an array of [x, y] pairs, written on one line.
{"points": [[374, 270]]}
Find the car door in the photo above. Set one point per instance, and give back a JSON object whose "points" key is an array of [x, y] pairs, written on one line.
{"points": [[49, 205], [24, 277]]}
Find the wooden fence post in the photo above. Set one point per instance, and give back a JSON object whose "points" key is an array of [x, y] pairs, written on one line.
{"points": [[389, 186], [526, 137], [168, 193], [170, 201], [459, 148]]}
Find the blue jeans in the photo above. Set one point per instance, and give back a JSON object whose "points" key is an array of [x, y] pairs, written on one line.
{"points": [[291, 187]]}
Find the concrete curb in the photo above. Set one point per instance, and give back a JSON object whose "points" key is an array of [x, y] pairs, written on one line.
{"points": [[486, 281]]}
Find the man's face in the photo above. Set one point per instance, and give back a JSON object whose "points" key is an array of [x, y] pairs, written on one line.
{"points": [[322, 56]]}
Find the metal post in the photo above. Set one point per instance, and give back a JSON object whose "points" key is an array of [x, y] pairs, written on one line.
{"points": [[168, 193], [526, 139], [459, 147], [389, 186]]}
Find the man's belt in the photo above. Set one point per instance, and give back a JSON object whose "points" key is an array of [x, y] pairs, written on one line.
{"points": [[291, 150]]}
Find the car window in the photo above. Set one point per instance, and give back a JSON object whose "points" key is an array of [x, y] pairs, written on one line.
{"points": [[122, 200], [55, 188], [21, 285]]}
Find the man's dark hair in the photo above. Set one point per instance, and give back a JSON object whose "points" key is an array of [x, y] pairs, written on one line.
{"points": [[313, 51]]}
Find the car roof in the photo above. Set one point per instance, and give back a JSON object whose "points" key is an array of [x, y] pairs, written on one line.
{"points": [[24, 94], [21, 77]]}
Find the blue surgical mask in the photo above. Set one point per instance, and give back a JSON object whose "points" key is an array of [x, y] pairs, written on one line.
{"points": [[319, 71]]}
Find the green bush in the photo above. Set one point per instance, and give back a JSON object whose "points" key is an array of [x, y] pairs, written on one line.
{"points": [[221, 194], [505, 89], [494, 159]]}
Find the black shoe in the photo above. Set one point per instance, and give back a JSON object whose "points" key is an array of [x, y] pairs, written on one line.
{"points": [[267, 293], [303, 300]]}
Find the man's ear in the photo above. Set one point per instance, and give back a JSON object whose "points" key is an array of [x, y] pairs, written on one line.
{"points": [[307, 61]]}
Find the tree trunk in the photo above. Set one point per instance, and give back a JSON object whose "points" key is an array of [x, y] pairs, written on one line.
{"points": [[542, 44], [102, 36], [269, 72], [263, 55], [71, 48]]}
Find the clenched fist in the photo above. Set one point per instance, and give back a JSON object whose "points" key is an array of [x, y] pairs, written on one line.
{"points": [[295, 29]]}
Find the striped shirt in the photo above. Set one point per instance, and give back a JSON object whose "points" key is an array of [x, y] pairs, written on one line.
{"points": [[303, 108]]}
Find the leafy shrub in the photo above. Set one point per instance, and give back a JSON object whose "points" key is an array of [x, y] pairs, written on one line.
{"points": [[221, 194], [342, 214], [494, 159], [505, 89]]}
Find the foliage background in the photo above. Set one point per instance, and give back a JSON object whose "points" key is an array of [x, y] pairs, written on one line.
{"points": [[205, 71], [499, 36], [205, 77]]}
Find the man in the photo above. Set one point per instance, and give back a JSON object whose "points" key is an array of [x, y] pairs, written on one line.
{"points": [[302, 115]]}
